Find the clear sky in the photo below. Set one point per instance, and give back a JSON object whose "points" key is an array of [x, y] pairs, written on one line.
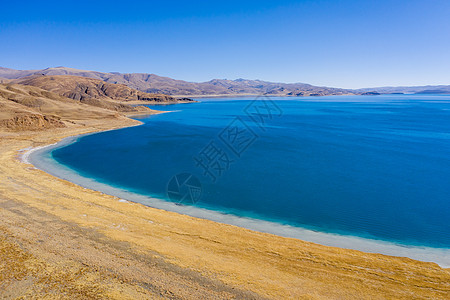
{"points": [[346, 43]]}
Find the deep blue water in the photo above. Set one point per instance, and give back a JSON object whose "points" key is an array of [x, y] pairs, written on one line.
{"points": [[371, 166]]}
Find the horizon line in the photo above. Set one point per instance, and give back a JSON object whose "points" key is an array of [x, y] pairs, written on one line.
{"points": [[240, 78]]}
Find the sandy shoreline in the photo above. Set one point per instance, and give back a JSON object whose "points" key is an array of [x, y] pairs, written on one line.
{"points": [[36, 157], [120, 246]]}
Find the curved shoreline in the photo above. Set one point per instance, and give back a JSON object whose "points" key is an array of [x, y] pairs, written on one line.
{"points": [[40, 158]]}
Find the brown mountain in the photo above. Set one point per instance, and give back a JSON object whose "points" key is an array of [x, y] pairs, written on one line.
{"points": [[31, 108], [151, 83], [87, 89]]}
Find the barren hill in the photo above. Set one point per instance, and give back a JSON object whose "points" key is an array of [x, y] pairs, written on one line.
{"points": [[32, 108], [85, 89]]}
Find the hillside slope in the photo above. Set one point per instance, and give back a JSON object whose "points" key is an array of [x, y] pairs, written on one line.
{"points": [[31, 108], [86, 89]]}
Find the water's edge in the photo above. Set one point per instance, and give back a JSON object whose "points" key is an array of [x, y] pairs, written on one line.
{"points": [[41, 158]]}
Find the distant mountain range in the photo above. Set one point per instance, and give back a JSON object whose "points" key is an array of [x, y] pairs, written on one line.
{"points": [[426, 89], [151, 83]]}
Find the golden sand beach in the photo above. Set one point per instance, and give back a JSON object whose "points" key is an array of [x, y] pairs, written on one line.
{"points": [[59, 240]]}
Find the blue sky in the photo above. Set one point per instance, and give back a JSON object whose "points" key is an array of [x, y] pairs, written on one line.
{"points": [[344, 43]]}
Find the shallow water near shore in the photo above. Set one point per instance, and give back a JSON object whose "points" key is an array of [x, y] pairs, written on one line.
{"points": [[368, 173]]}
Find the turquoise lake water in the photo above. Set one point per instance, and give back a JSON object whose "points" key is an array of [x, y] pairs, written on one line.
{"points": [[369, 166]]}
